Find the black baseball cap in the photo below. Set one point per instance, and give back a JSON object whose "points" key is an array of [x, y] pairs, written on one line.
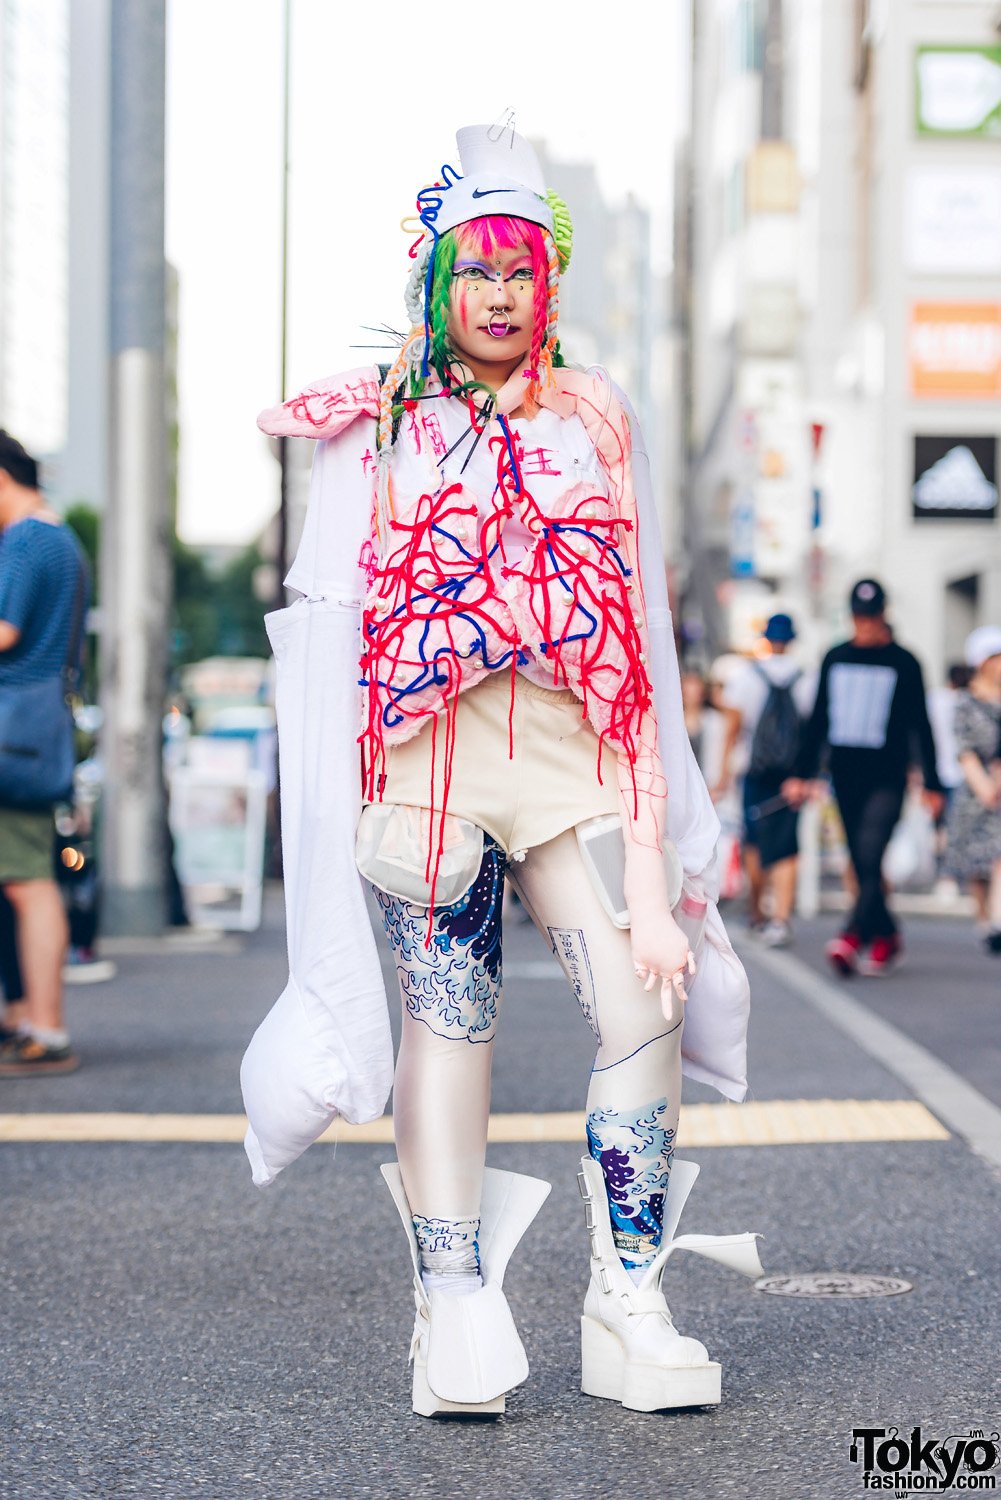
{"points": [[868, 598]]}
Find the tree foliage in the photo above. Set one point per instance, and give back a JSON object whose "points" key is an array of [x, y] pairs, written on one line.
{"points": [[211, 615]]}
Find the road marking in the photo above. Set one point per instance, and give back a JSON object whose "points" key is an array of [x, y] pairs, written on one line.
{"points": [[957, 1103], [775, 1122]]}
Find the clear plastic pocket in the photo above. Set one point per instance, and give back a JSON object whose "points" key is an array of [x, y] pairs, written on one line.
{"points": [[392, 850], [602, 849]]}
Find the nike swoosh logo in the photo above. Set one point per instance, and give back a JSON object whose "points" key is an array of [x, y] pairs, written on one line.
{"points": [[488, 192]]}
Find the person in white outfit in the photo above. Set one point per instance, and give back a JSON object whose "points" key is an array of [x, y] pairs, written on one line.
{"points": [[511, 675]]}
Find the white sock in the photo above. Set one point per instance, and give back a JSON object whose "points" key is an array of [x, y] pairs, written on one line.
{"points": [[49, 1036], [636, 1273], [450, 1256], [454, 1283]]}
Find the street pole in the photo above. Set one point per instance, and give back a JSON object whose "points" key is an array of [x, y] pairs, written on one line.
{"points": [[134, 563]]}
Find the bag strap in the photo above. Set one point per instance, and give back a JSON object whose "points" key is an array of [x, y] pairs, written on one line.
{"points": [[71, 666], [783, 687]]}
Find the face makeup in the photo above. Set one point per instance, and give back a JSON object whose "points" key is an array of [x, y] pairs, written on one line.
{"points": [[491, 312]]}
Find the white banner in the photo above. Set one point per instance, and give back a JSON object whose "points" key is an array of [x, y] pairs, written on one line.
{"points": [[953, 220]]}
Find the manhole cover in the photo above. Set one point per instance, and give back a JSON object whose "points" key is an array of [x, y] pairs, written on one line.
{"points": [[832, 1284]]}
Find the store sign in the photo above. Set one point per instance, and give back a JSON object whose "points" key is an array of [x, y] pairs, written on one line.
{"points": [[954, 351], [952, 221], [955, 478], [958, 91]]}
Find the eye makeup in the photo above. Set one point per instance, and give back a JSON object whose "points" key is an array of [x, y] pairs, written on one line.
{"points": [[489, 274]]}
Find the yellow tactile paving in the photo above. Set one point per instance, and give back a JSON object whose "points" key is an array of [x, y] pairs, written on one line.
{"points": [[767, 1122]]}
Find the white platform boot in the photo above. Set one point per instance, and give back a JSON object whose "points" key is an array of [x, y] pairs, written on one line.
{"points": [[466, 1351], [630, 1349]]}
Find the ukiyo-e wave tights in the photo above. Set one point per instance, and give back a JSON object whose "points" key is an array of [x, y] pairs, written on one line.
{"points": [[451, 994]]}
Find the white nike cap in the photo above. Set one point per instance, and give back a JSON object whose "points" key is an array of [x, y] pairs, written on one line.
{"points": [[500, 175]]}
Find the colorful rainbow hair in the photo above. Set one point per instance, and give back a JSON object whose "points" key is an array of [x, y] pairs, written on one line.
{"points": [[432, 276]]}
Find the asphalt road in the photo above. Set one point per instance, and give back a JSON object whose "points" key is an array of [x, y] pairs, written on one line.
{"points": [[168, 1330]]}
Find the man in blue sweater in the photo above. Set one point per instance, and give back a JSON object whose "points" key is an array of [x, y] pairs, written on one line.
{"points": [[871, 718], [40, 563]]}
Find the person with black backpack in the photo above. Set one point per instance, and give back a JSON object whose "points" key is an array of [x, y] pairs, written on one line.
{"points": [[766, 702]]}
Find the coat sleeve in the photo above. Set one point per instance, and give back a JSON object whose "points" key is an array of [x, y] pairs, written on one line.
{"points": [[692, 824], [714, 1044], [324, 1049]]}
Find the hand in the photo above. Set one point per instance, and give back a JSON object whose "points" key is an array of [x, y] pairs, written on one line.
{"points": [[933, 802], [661, 952], [990, 796], [795, 790]]}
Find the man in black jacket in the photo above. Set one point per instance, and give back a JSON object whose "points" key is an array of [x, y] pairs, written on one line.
{"points": [[870, 714]]}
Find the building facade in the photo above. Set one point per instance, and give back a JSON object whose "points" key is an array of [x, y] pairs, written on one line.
{"points": [[34, 206], [839, 274]]}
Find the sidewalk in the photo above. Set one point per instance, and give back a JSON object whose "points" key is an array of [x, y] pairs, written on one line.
{"points": [[168, 1330]]}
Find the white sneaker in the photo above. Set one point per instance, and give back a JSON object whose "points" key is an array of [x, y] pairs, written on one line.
{"points": [[82, 966], [776, 934]]}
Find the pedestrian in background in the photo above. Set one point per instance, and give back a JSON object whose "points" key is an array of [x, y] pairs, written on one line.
{"points": [[974, 852], [870, 715], [704, 724], [724, 787], [10, 969], [941, 702], [766, 701], [42, 570]]}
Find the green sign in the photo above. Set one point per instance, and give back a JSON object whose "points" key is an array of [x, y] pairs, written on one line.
{"points": [[958, 91]]}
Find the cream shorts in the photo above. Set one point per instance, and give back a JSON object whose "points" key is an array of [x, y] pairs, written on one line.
{"points": [[547, 786]]}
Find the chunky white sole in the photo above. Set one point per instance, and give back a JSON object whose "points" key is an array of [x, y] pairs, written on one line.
{"points": [[606, 1372], [427, 1404]]}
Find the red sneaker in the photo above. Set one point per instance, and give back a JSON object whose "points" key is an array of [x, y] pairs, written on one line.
{"points": [[883, 957], [843, 952]]}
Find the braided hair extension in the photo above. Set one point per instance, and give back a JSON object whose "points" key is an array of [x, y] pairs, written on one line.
{"points": [[543, 258], [441, 296], [562, 228]]}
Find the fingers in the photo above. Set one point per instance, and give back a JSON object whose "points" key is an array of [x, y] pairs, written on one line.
{"points": [[675, 981], [675, 985]]}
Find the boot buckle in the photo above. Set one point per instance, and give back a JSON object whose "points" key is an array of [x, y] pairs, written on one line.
{"points": [[585, 1188], [590, 1221]]}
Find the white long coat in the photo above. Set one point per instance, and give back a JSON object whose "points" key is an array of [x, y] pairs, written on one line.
{"points": [[325, 1049]]}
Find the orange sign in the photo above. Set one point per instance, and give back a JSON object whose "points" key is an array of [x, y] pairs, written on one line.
{"points": [[954, 350]]}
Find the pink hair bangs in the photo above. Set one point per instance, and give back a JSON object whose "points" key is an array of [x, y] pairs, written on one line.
{"points": [[498, 232]]}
